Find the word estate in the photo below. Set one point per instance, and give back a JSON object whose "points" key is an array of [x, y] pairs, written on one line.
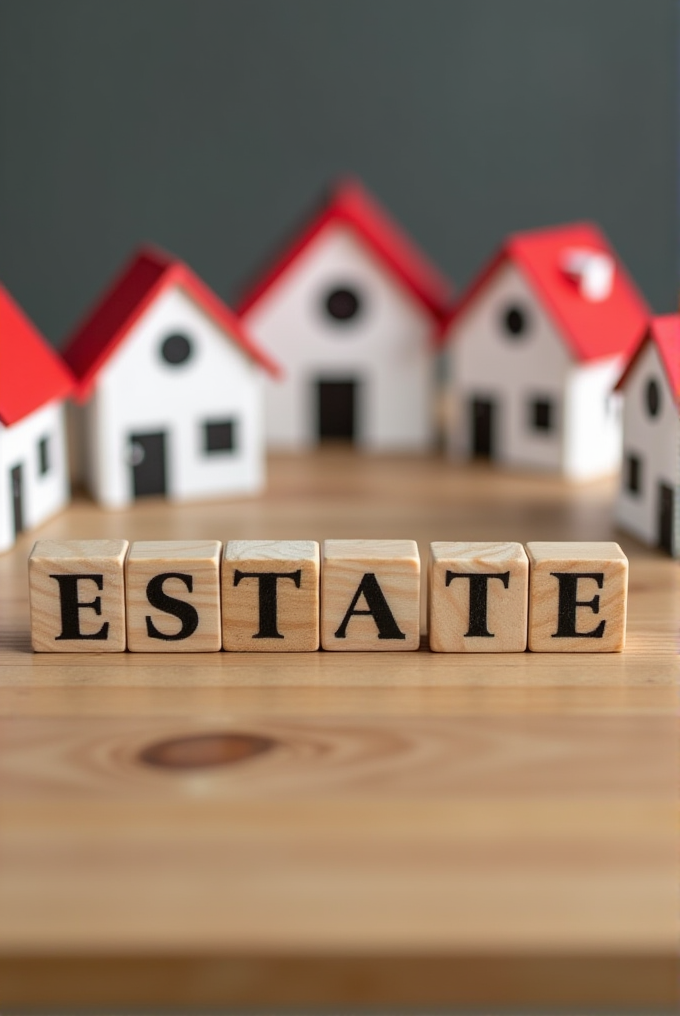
{"points": [[357, 595]]}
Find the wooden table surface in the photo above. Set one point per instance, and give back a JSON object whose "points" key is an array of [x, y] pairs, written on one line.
{"points": [[406, 828]]}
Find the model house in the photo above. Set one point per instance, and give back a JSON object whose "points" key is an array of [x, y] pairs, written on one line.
{"points": [[534, 349], [170, 386], [649, 499], [351, 310], [33, 455]]}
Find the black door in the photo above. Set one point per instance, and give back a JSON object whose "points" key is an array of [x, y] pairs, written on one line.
{"points": [[147, 461], [482, 427], [17, 485], [666, 507], [336, 410]]}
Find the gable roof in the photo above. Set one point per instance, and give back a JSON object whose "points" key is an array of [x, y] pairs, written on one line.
{"points": [[144, 278], [351, 206], [31, 373], [592, 328], [665, 333]]}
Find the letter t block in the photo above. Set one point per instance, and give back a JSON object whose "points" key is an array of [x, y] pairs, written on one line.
{"points": [[77, 595], [270, 596], [577, 597], [477, 597], [370, 595]]}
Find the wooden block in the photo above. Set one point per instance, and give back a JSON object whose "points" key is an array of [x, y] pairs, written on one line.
{"points": [[77, 594], [370, 595], [477, 597], [270, 596], [577, 597], [173, 596]]}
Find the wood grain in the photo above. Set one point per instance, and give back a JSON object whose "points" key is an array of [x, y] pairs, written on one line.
{"points": [[372, 828]]}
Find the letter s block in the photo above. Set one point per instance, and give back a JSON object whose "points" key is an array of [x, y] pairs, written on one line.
{"points": [[270, 596], [577, 597], [173, 596], [370, 595], [477, 597], [77, 595]]}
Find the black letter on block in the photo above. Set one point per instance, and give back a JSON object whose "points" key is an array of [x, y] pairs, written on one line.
{"points": [[268, 602], [478, 599], [70, 605], [378, 609], [187, 614], [567, 604]]}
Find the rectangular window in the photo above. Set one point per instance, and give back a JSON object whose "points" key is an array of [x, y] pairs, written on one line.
{"points": [[633, 475], [43, 455], [219, 436], [542, 416]]}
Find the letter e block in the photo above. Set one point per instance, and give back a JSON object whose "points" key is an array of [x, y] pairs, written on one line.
{"points": [[173, 596], [577, 597], [77, 594], [270, 596], [370, 595], [477, 597]]}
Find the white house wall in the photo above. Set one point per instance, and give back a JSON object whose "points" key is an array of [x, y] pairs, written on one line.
{"points": [[655, 441], [484, 362], [43, 494], [387, 348], [137, 391], [592, 433]]}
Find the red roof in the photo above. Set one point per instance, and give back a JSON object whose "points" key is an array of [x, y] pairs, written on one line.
{"points": [[143, 279], [592, 328], [31, 373], [350, 205], [665, 332]]}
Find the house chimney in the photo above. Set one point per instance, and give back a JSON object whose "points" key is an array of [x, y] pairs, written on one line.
{"points": [[591, 270]]}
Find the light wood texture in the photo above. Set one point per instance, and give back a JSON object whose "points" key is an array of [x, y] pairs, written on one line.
{"points": [[409, 829], [294, 613], [468, 615], [370, 595], [178, 613], [84, 615], [591, 608]]}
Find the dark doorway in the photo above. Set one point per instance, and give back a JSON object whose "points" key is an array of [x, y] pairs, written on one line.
{"points": [[336, 410], [482, 425], [17, 483], [666, 512], [147, 459]]}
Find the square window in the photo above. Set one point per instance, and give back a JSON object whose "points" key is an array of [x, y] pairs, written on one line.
{"points": [[542, 414], [633, 475], [219, 436], [43, 455]]}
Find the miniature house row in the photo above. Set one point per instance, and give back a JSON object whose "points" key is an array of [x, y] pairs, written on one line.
{"points": [[273, 596], [339, 339]]}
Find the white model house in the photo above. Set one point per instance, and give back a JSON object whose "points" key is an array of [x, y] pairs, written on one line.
{"points": [[352, 312], [170, 387], [648, 505], [534, 349], [33, 454]]}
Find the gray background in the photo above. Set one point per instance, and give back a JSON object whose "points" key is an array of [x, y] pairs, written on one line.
{"points": [[210, 127]]}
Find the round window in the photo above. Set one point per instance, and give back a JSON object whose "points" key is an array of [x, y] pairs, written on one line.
{"points": [[515, 321], [343, 304], [653, 398], [176, 349]]}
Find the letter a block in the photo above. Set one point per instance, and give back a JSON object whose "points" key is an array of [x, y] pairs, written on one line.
{"points": [[477, 597], [173, 596], [577, 597], [77, 595], [370, 595], [270, 596]]}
